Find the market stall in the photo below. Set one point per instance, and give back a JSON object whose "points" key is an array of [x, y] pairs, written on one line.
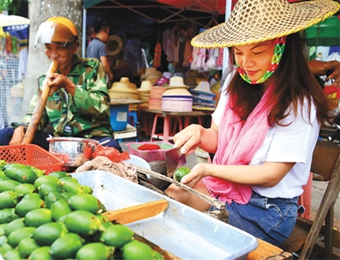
{"points": [[13, 62]]}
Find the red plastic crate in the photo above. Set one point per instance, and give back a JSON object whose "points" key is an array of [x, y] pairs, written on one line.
{"points": [[30, 154]]}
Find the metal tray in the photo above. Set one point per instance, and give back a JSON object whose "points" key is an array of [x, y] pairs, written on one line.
{"points": [[180, 230]]}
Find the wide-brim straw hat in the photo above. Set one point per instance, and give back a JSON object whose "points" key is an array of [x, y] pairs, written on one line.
{"points": [[254, 21], [177, 82], [203, 88], [123, 86], [151, 73], [145, 86]]}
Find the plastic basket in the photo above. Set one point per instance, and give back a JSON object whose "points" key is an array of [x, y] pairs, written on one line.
{"points": [[30, 154], [150, 155]]}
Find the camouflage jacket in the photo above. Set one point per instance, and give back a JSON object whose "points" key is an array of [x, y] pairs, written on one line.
{"points": [[87, 114]]}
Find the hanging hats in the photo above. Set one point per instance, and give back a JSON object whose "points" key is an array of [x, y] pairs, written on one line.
{"points": [[114, 45], [254, 21]]}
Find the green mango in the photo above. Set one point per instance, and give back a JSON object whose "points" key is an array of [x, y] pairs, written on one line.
{"points": [[2, 163], [46, 179], [47, 233], [25, 188], [16, 236], [67, 195], [136, 250], [7, 215], [8, 199], [10, 169], [38, 217], [71, 184], [87, 190], [41, 253], [14, 225], [51, 197], [3, 240], [25, 175], [5, 248], [116, 235], [60, 208], [84, 202], [60, 174], [2, 228], [8, 185], [82, 222], [157, 255], [38, 172], [29, 202], [27, 246], [12, 254], [3, 176], [47, 187], [96, 251], [66, 246]]}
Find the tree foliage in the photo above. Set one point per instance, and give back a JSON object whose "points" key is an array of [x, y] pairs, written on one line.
{"points": [[12, 6]]}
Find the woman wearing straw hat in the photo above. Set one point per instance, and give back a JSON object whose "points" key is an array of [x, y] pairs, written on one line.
{"points": [[267, 122]]}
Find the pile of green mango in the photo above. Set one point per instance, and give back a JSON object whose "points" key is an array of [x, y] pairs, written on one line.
{"points": [[55, 217]]}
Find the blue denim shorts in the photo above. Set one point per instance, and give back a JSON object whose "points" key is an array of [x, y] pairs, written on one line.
{"points": [[271, 220]]}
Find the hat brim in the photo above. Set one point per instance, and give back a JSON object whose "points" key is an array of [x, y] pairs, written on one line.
{"points": [[255, 21], [114, 45]]}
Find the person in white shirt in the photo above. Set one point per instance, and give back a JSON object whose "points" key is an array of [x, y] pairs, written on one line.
{"points": [[267, 121]]}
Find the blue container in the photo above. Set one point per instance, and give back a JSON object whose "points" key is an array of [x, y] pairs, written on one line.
{"points": [[119, 116]]}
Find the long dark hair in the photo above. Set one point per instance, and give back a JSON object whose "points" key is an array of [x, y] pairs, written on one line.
{"points": [[294, 82]]}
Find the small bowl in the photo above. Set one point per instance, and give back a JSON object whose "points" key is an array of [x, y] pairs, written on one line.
{"points": [[69, 149]]}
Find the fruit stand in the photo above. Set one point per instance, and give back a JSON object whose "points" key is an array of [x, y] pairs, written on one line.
{"points": [[42, 211]]}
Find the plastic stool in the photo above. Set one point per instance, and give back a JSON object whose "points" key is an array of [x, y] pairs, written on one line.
{"points": [[132, 118], [167, 133]]}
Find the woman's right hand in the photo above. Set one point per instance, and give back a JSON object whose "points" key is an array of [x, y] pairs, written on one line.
{"points": [[18, 135], [189, 138]]}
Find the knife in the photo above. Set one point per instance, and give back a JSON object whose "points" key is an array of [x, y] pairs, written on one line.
{"points": [[174, 159]]}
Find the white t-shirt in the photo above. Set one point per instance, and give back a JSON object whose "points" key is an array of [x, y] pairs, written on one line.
{"points": [[292, 143]]}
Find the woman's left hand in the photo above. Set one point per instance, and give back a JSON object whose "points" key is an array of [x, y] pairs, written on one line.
{"points": [[195, 175]]}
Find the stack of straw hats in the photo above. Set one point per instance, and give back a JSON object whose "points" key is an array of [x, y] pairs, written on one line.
{"points": [[144, 93], [124, 89], [176, 97], [155, 101], [203, 98], [151, 74]]}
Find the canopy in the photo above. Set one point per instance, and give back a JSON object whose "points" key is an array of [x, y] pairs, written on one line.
{"points": [[9, 20], [326, 33], [15, 25]]}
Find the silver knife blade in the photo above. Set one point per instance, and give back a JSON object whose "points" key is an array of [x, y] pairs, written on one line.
{"points": [[174, 159]]}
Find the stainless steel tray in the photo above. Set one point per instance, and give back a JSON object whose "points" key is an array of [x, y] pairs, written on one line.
{"points": [[181, 230]]}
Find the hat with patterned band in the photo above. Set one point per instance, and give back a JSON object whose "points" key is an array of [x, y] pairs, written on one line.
{"points": [[254, 21]]}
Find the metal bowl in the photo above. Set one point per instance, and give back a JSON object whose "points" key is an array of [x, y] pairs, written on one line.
{"points": [[69, 149]]}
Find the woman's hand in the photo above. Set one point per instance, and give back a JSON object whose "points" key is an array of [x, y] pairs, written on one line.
{"points": [[57, 81], [195, 175], [189, 138]]}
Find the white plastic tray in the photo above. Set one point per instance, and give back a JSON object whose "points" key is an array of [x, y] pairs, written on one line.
{"points": [[181, 230]]}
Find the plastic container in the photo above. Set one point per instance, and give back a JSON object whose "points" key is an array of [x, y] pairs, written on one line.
{"points": [[30, 154], [150, 155], [119, 117]]}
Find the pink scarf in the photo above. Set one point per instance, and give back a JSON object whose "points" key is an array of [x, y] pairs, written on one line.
{"points": [[237, 143]]}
